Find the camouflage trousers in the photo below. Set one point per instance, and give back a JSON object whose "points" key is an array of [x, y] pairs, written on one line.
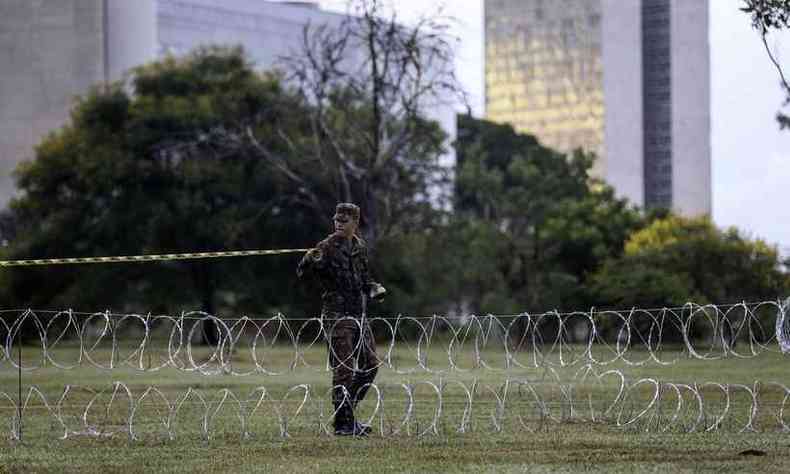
{"points": [[354, 363]]}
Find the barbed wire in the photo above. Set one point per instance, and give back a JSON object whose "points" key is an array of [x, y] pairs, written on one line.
{"points": [[453, 406], [244, 346]]}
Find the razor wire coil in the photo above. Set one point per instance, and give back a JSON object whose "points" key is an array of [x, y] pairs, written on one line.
{"points": [[644, 404], [635, 337], [589, 344]]}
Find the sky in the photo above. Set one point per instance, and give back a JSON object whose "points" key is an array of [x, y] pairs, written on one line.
{"points": [[750, 155]]}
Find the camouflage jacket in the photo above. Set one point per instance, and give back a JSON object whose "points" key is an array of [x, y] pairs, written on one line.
{"points": [[341, 268]]}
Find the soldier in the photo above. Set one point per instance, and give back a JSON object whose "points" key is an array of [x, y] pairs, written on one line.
{"points": [[340, 264]]}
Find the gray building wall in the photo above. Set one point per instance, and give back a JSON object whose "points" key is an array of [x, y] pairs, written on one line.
{"points": [[50, 51], [266, 33], [131, 35], [622, 86], [691, 149]]}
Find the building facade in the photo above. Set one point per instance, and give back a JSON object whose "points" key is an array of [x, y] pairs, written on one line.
{"points": [[54, 50], [49, 51], [625, 79]]}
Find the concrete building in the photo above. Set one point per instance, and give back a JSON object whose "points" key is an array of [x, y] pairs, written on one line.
{"points": [[54, 50], [626, 79], [49, 51]]}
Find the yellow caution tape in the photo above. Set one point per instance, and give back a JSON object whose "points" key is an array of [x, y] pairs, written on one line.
{"points": [[145, 258]]}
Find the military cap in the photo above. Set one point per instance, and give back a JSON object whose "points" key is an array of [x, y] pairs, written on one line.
{"points": [[345, 211]]}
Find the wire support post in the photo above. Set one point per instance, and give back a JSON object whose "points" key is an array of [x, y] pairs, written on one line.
{"points": [[19, 389]]}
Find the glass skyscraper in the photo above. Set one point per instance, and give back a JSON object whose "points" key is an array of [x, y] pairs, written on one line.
{"points": [[544, 71], [625, 79]]}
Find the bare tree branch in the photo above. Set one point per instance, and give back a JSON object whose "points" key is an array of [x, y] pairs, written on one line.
{"points": [[368, 81], [776, 63]]}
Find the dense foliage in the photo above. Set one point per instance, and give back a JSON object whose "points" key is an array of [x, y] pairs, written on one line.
{"points": [[134, 173], [676, 259]]}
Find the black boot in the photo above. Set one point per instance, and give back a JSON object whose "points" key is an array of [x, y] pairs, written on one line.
{"points": [[345, 424], [362, 429], [357, 429]]}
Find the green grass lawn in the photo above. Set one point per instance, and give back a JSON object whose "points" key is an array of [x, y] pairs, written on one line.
{"points": [[521, 440]]}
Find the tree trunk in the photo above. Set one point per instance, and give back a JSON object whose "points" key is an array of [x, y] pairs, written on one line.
{"points": [[371, 229]]}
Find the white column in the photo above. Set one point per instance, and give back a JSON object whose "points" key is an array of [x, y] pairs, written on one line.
{"points": [[131, 35], [691, 150], [622, 85]]}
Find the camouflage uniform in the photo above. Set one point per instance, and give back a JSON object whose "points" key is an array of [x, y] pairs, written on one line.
{"points": [[341, 267]]}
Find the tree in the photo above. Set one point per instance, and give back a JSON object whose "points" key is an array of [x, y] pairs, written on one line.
{"points": [[635, 282], [677, 260], [138, 173], [767, 16], [371, 80], [533, 222], [682, 259]]}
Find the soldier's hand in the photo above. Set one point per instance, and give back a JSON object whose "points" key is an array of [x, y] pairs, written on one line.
{"points": [[315, 255], [377, 293]]}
